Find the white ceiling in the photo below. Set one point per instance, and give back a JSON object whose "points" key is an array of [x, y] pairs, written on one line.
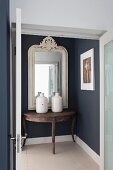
{"points": [[84, 14]]}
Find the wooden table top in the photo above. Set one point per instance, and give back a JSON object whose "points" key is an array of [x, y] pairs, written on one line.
{"points": [[48, 117]]}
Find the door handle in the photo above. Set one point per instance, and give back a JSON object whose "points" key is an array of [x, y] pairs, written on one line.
{"points": [[13, 138], [23, 140], [23, 137]]}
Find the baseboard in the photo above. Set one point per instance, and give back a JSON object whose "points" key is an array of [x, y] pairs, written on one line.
{"points": [[83, 145], [89, 151], [40, 140]]}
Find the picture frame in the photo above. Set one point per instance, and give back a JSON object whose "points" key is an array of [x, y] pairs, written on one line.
{"points": [[87, 70]]}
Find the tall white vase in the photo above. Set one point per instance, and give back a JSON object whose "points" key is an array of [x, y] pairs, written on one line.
{"points": [[41, 104], [57, 103]]}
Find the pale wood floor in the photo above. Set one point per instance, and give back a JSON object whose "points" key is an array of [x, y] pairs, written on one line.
{"points": [[69, 156]]}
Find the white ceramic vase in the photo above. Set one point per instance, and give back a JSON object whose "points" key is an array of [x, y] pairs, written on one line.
{"points": [[38, 94], [41, 104], [57, 103]]}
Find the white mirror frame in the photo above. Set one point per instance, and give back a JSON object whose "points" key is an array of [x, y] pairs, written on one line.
{"points": [[48, 44]]}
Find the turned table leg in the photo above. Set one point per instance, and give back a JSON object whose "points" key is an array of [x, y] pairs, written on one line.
{"points": [[72, 128], [25, 132], [53, 135]]}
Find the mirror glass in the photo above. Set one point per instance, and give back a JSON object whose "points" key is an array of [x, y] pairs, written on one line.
{"points": [[47, 71], [48, 84]]}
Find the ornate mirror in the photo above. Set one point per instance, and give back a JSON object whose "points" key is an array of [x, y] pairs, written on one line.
{"points": [[47, 71]]}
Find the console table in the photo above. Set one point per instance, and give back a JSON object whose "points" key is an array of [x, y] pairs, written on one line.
{"points": [[52, 118]]}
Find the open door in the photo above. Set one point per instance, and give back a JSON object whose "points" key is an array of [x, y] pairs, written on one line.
{"points": [[106, 101], [18, 89], [15, 117]]}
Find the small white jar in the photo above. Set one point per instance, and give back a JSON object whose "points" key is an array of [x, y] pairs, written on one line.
{"points": [[57, 103], [41, 104]]}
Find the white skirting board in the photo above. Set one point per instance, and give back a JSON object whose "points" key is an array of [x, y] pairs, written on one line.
{"points": [[83, 145], [89, 151]]}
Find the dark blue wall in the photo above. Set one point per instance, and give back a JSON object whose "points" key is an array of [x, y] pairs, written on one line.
{"points": [[4, 85], [88, 101], [85, 102], [69, 44]]}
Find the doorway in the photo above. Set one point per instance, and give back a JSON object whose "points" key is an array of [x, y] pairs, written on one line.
{"points": [[71, 79]]}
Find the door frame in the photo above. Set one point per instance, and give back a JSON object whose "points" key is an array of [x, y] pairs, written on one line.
{"points": [[107, 37], [83, 34], [31, 29]]}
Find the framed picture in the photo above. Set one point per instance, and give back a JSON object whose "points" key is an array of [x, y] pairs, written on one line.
{"points": [[87, 70]]}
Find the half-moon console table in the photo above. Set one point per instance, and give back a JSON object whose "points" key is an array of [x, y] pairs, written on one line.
{"points": [[52, 118]]}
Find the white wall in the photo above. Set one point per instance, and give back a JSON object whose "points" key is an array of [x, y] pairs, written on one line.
{"points": [[89, 14]]}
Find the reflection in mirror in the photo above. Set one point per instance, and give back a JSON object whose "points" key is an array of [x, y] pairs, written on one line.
{"points": [[46, 79], [47, 71]]}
